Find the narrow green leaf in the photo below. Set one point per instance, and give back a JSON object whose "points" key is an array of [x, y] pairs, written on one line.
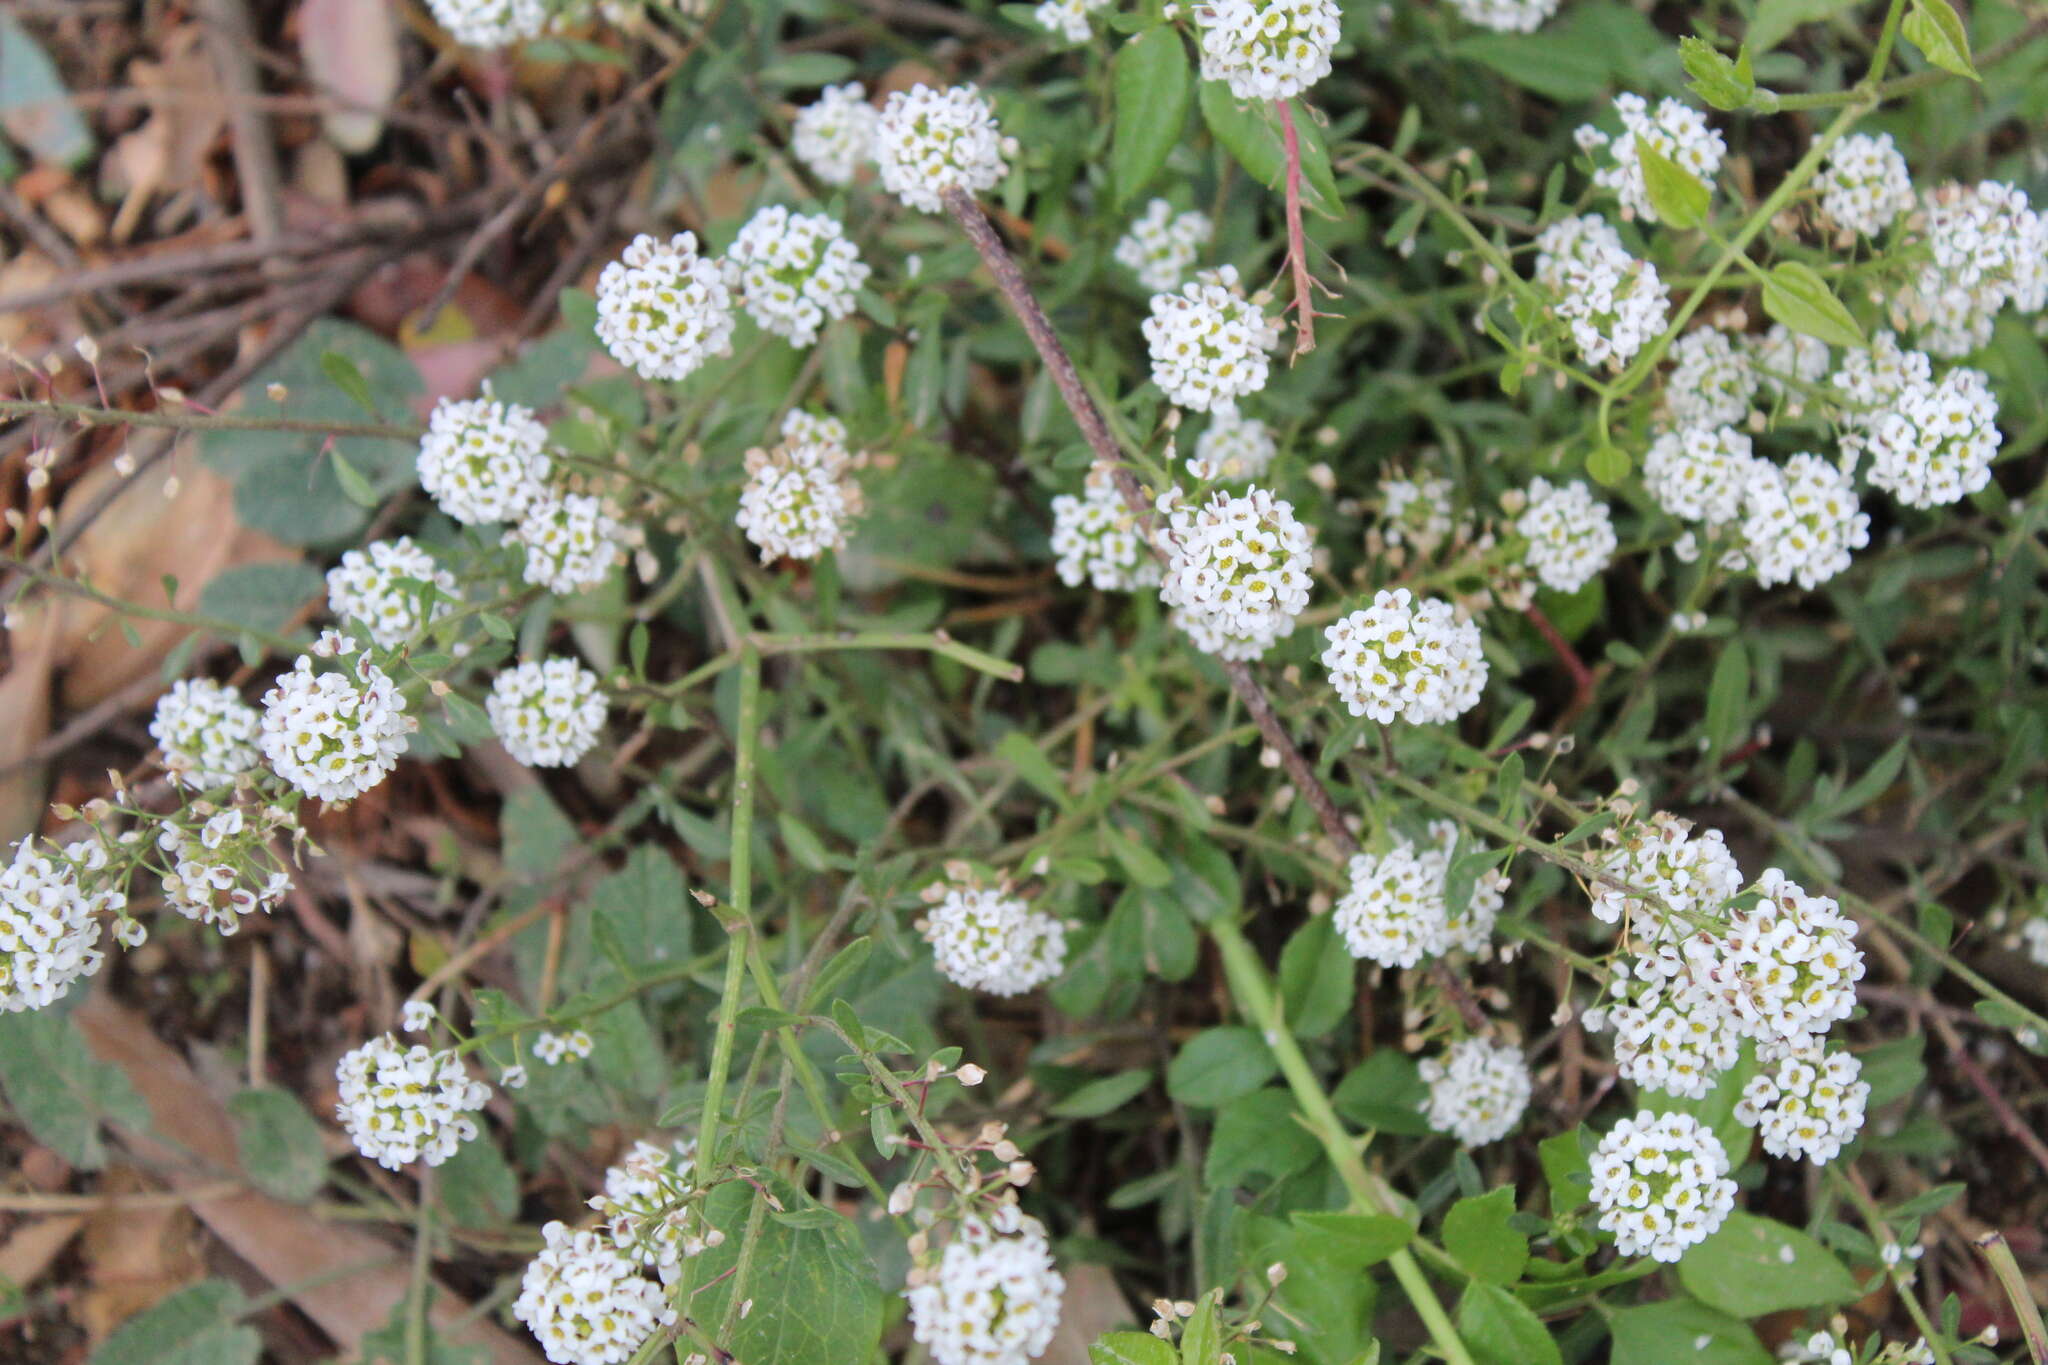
{"points": [[349, 379], [1201, 1338], [1103, 1096], [1934, 27], [1797, 296], [1152, 82], [1131, 1348], [1727, 697], [1716, 79], [1021, 752], [1251, 133], [1678, 197], [354, 486]]}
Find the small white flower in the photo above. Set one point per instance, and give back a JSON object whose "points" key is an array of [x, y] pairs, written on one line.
{"points": [[585, 1302], [334, 735], [662, 309], [1936, 446], [490, 23], [800, 498], [1661, 1184], [1711, 382], [993, 1298], [1783, 359], [1570, 534], [1801, 521], [835, 136], [652, 1208], [401, 1105], [1699, 473], [1416, 510], [513, 1078], [985, 939], [1237, 567], [1990, 249], [1233, 448], [49, 930], [1402, 658], [417, 1016], [482, 460], [1162, 246], [1266, 49], [1477, 1090], [794, 272], [1864, 184], [1067, 19], [549, 1048], [928, 141], [1807, 1106], [371, 585], [546, 712], [1395, 912], [1675, 130], [1869, 385], [1209, 343], [571, 542], [1612, 303], [1095, 537], [206, 733], [1507, 16]]}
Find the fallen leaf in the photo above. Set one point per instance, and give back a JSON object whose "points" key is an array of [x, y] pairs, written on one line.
{"points": [[134, 1257], [35, 108], [30, 1249], [351, 53]]}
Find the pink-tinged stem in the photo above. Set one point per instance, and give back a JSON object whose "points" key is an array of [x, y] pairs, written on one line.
{"points": [[1297, 241], [1582, 676]]}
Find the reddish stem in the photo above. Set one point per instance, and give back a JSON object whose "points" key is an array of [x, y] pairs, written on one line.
{"points": [[1297, 241], [1582, 676]]}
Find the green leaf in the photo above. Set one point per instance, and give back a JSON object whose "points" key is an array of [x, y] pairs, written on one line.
{"points": [[195, 1326], [1217, 1065], [1143, 865], [1797, 296], [1103, 1096], [477, 1187], [1385, 1092], [1131, 1348], [354, 486], [1258, 1134], [1753, 1266], [1646, 1335], [1727, 697], [61, 1091], [279, 1143], [1934, 27], [262, 596], [1478, 1235], [1318, 979], [1201, 1337], [1251, 133], [1500, 1330], [1678, 197], [825, 1307], [1777, 18], [1557, 65], [842, 965], [1350, 1241], [1721, 82], [801, 70], [1152, 83], [349, 380], [1608, 465], [1021, 752], [1874, 782], [1564, 1160]]}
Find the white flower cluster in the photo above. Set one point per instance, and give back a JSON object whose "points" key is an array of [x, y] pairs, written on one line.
{"points": [[928, 141], [1162, 245], [801, 426], [334, 735], [1825, 1348], [1800, 521], [1869, 384], [585, 1303], [49, 933], [550, 1048], [1416, 510], [1067, 19], [1209, 342], [404, 1104], [370, 585], [1807, 1107], [1864, 184], [793, 272], [1676, 130], [482, 460], [207, 881], [1612, 303], [1789, 965], [986, 939], [1700, 473], [1781, 355], [1506, 16], [571, 542], [1395, 913], [993, 1298], [1661, 1184], [490, 23], [1403, 658], [650, 1208], [1096, 540], [663, 309], [1233, 448], [546, 712], [1936, 445], [800, 497], [1477, 1090], [1990, 249], [1267, 49], [1672, 1031], [834, 135], [1237, 567], [1570, 534], [1682, 875], [206, 732], [1712, 382]]}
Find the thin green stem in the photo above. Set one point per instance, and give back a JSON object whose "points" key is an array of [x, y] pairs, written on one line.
{"points": [[170, 616], [422, 1271], [1882, 56], [1254, 995], [199, 421], [936, 642], [1881, 1233], [738, 921]]}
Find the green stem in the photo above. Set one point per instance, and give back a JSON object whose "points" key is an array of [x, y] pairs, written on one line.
{"points": [[937, 642], [197, 421], [228, 630], [1254, 996], [739, 921], [1881, 1233], [422, 1270]]}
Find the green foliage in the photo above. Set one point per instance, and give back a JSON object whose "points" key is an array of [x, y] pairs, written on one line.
{"points": [[280, 1145], [1478, 1233], [1219, 1065], [197, 1325], [1754, 1266], [64, 1094], [1153, 82], [825, 1307]]}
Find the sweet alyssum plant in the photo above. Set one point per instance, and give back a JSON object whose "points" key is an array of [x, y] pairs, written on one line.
{"points": [[1569, 1031]]}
